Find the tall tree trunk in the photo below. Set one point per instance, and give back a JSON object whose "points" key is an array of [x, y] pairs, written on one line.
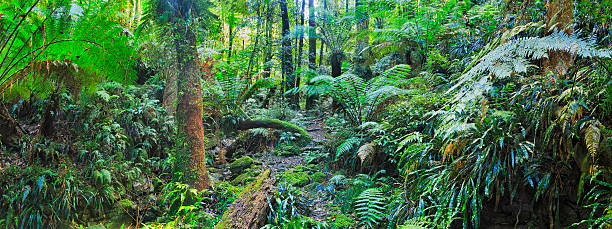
{"points": [[231, 40], [312, 40], [322, 43], [286, 55], [189, 111], [268, 53], [255, 47], [561, 14], [301, 45], [321, 53], [312, 48]]}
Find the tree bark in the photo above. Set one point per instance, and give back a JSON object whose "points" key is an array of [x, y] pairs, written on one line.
{"points": [[312, 40], [335, 60], [251, 208], [170, 90], [301, 45], [286, 55], [189, 111]]}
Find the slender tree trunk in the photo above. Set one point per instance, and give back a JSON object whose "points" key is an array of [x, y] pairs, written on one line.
{"points": [[268, 54], [255, 47], [189, 111], [231, 41], [286, 55], [321, 54], [312, 40], [301, 45], [362, 69], [322, 43], [312, 48]]}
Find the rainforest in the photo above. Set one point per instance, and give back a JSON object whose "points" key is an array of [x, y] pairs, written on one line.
{"points": [[291, 114]]}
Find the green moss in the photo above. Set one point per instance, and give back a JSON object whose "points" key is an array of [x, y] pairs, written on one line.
{"points": [[241, 164], [301, 176], [318, 177], [298, 179], [287, 150], [340, 220], [248, 176], [253, 186], [287, 126]]}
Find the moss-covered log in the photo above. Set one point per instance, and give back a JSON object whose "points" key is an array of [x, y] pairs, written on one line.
{"points": [[250, 210], [273, 124]]}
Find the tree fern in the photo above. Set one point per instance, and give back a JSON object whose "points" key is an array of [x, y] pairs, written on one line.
{"points": [[370, 207], [514, 56]]}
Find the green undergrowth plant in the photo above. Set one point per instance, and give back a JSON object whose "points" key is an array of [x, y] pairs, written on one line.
{"points": [[61, 44], [288, 204]]}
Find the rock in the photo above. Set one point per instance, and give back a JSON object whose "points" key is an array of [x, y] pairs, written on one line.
{"points": [[241, 164], [250, 210], [296, 178]]}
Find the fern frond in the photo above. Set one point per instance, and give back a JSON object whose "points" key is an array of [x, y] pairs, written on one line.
{"points": [[370, 207], [346, 146], [259, 84], [515, 55]]}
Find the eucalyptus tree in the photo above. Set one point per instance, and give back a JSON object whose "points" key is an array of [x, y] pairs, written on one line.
{"points": [[180, 17]]}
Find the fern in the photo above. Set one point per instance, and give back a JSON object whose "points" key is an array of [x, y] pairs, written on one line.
{"points": [[515, 55], [370, 207], [346, 146]]}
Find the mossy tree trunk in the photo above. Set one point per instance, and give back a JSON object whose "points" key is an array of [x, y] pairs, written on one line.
{"points": [[189, 111], [286, 55]]}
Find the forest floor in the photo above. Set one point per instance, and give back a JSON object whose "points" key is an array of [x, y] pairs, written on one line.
{"points": [[282, 166], [318, 203]]}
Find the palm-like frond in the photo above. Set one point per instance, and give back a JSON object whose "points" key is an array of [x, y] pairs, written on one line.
{"points": [[515, 56], [370, 207]]}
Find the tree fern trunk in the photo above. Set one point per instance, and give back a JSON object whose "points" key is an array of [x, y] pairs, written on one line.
{"points": [[559, 13], [192, 159]]}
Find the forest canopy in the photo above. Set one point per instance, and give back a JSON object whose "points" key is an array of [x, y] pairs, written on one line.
{"points": [[305, 114]]}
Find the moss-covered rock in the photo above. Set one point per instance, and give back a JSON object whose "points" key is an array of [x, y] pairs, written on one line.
{"points": [[248, 176], [287, 150], [296, 178], [301, 176], [241, 164], [318, 177]]}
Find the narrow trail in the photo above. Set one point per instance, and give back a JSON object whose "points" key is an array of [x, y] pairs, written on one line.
{"points": [[278, 164]]}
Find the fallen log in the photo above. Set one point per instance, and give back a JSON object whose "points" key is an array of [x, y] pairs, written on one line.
{"points": [[250, 210]]}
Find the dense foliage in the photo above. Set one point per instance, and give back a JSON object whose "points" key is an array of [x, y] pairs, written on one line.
{"points": [[305, 114]]}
